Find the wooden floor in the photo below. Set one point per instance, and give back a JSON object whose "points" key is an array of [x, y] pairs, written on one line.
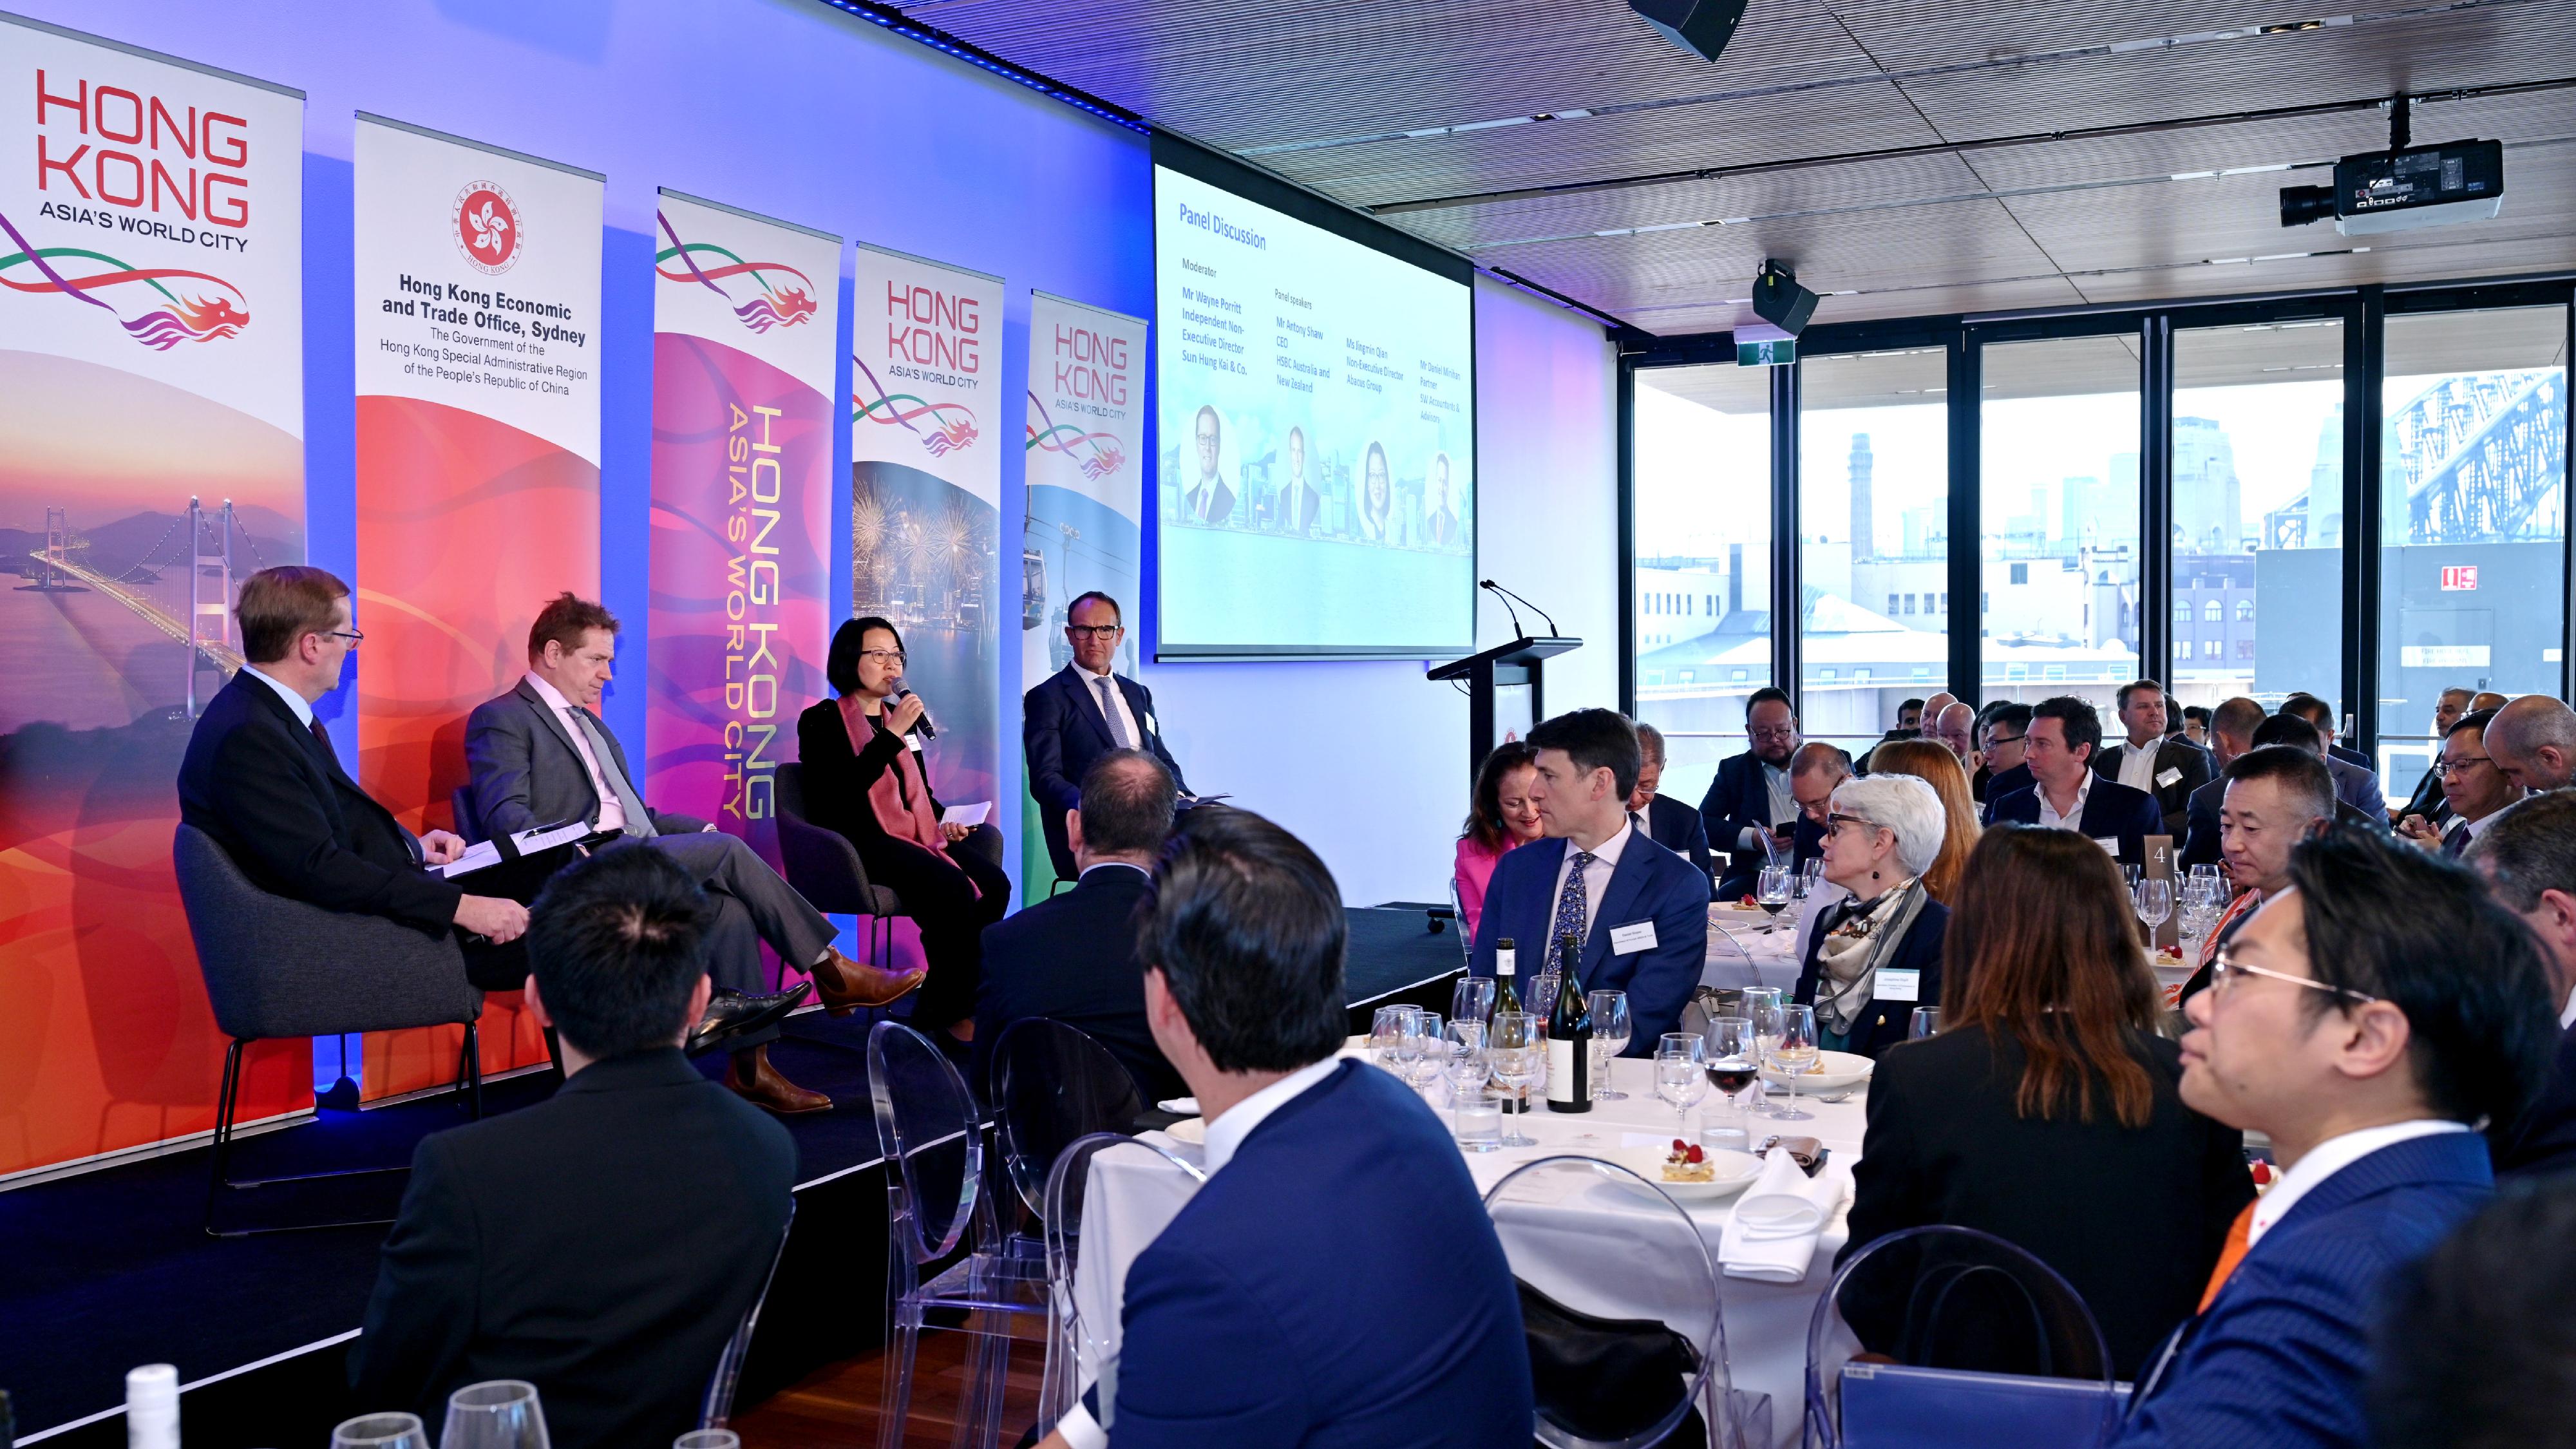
{"points": [[836, 1407]]}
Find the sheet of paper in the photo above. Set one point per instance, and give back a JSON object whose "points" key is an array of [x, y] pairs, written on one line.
{"points": [[476, 857], [969, 816]]}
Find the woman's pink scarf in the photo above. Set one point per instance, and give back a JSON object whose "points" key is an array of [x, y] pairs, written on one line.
{"points": [[899, 797]]}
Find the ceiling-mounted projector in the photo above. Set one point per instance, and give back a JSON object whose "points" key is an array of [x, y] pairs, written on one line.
{"points": [[2404, 187]]}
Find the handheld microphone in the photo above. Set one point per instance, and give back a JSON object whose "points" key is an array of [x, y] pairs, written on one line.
{"points": [[922, 727]]}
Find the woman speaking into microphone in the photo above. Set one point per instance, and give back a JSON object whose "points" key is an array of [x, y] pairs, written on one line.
{"points": [[865, 778]]}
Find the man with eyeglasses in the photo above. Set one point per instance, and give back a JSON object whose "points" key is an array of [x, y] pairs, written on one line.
{"points": [[2427, 798], [1750, 798], [2002, 764], [2475, 788], [2533, 741], [1080, 713], [2363, 1020]]}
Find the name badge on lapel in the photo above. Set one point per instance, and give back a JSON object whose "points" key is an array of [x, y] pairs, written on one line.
{"points": [[2166, 779], [1895, 985], [1634, 936], [1151, 728], [2110, 843]]}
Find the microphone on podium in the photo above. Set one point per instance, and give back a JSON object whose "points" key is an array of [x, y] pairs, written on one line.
{"points": [[1507, 596]]}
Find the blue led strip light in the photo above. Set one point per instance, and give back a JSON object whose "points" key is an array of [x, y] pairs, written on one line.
{"points": [[942, 41]]}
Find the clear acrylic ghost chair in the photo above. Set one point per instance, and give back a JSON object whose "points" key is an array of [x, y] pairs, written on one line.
{"points": [[1052, 1085], [1082, 1347], [928, 1127], [1575, 1229]]}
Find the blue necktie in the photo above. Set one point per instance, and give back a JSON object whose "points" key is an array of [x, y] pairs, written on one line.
{"points": [[1570, 903]]}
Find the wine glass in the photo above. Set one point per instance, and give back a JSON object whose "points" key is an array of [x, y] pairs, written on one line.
{"points": [[1762, 1008], [1434, 1051], [1472, 999], [380, 1431], [501, 1414], [1611, 1028], [1542, 996], [1734, 1063], [1771, 892], [1408, 1041], [1813, 872], [1384, 1027], [2154, 903], [1794, 1055], [1681, 1075], [1515, 1050], [1463, 1063]]}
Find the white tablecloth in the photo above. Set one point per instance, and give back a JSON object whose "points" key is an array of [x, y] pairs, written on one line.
{"points": [[1132, 1195], [1742, 953]]}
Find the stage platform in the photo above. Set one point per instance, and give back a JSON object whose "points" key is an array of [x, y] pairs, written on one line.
{"points": [[112, 1268]]}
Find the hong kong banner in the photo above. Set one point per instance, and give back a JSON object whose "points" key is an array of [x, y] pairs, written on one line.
{"points": [[925, 496], [1086, 398], [151, 456], [743, 357], [477, 275]]}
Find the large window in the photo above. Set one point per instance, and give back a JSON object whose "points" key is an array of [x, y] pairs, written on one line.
{"points": [[2058, 519], [1702, 571], [2473, 514], [2258, 512], [1873, 539]]}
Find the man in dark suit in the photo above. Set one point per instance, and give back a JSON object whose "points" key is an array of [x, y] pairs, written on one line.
{"points": [[1638, 909], [2426, 798], [604, 1243], [1069, 718], [2528, 859], [2002, 765], [1295, 505], [261, 779], [2231, 730], [2356, 778], [2362, 1021], [1750, 796], [1336, 1281], [1072, 958], [2475, 790], [540, 755], [2065, 793], [2167, 767], [1669, 823], [1208, 499]]}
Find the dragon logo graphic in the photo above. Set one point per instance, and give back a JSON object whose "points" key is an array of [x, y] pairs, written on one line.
{"points": [[487, 227], [780, 305], [952, 425], [176, 312], [1096, 454]]}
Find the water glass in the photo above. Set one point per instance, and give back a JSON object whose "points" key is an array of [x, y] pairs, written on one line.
{"points": [[1517, 1054], [708, 1439], [501, 1414], [1681, 1074], [1794, 1055], [1926, 1023], [1472, 999], [1611, 1028], [380, 1431], [1465, 1067]]}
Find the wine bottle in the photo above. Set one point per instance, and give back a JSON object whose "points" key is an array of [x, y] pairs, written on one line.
{"points": [[1569, 1035], [1506, 961]]}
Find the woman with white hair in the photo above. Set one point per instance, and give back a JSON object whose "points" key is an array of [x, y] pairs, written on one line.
{"points": [[1877, 955]]}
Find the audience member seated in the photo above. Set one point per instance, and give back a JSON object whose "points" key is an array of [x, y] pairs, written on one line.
{"points": [[1504, 816], [1955, 729], [2321, 714], [1337, 1280], [2231, 733], [2533, 741], [1670, 823], [1750, 797], [261, 779], [2066, 794], [1073, 715], [2362, 1021], [1639, 910], [1072, 958], [2151, 761], [539, 755], [603, 1243], [2003, 764], [2048, 1112], [1909, 726], [2427, 797], [2277, 796], [1935, 766], [2195, 724], [2474, 788], [2298, 734], [2356, 778], [2528, 858], [866, 777], [2486, 699], [1876, 956], [2475, 1342]]}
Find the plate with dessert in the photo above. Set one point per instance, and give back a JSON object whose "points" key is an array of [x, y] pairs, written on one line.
{"points": [[1834, 1071], [1688, 1170]]}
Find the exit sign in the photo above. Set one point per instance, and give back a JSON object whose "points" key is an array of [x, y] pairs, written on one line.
{"points": [[1770, 352], [2460, 579]]}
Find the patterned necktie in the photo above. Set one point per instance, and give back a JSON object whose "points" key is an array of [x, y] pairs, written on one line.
{"points": [[1571, 903], [639, 822], [1109, 711]]}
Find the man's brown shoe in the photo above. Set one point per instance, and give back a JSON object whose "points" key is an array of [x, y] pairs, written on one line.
{"points": [[752, 1078], [846, 985]]}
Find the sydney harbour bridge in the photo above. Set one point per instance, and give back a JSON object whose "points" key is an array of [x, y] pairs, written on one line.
{"points": [[2479, 458]]}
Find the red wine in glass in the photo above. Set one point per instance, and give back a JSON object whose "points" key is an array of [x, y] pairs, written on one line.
{"points": [[1730, 1076]]}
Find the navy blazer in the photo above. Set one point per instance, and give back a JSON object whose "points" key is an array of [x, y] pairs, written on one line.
{"points": [[1886, 1023], [1736, 799], [2110, 809], [1677, 828], [2279, 1360], [1062, 730], [2544, 1140], [1650, 883], [1072, 958], [1337, 1284], [2357, 784], [2000, 783], [2201, 845]]}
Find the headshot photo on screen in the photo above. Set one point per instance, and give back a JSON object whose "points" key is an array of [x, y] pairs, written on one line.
{"points": [[1207, 498], [1375, 521]]}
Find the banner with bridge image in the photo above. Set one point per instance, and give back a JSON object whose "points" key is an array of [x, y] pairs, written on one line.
{"points": [[926, 495], [743, 339], [1086, 405], [477, 292], [151, 453]]}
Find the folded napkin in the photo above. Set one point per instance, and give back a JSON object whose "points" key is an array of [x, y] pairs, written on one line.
{"points": [[1772, 1235]]}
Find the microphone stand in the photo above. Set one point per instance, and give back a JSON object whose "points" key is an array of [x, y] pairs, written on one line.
{"points": [[1516, 621]]}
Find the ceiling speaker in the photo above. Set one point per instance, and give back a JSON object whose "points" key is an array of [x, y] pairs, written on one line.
{"points": [[1701, 27], [1780, 301]]}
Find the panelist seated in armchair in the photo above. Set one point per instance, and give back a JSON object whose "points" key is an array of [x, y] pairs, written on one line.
{"points": [[1081, 712], [260, 778], [540, 754]]}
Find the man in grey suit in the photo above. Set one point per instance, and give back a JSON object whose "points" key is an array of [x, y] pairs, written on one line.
{"points": [[539, 755]]}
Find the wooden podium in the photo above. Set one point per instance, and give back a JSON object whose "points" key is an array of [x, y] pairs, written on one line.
{"points": [[1515, 663]]}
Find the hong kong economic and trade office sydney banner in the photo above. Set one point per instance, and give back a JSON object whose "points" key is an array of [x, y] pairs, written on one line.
{"points": [[743, 356], [477, 310], [1086, 399], [151, 453]]}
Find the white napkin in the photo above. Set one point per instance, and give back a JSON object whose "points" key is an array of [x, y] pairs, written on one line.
{"points": [[1186, 1106], [1772, 1234]]}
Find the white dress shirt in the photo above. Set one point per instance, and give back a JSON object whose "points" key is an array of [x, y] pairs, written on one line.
{"points": [[1119, 711], [612, 814], [1784, 803], [303, 707], [2138, 765], [1596, 879], [1224, 1137], [2330, 1157], [2073, 819]]}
